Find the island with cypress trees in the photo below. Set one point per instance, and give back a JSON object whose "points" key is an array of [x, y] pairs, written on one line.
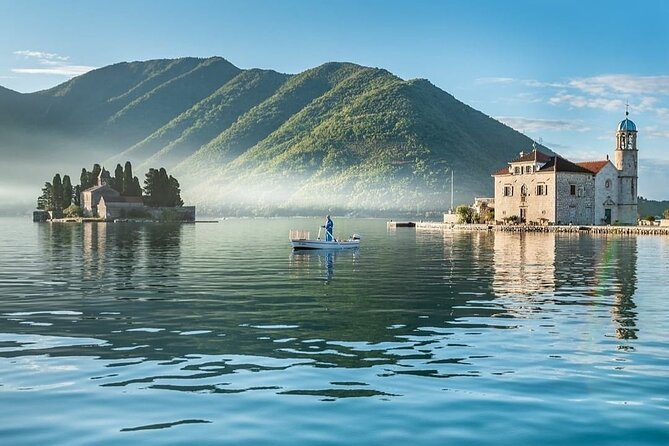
{"points": [[101, 197]]}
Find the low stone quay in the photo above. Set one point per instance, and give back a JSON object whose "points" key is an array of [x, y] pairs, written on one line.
{"points": [[621, 230]]}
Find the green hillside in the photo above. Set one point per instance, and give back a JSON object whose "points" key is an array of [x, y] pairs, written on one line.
{"points": [[339, 136]]}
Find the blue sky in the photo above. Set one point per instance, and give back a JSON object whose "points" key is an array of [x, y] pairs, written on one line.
{"points": [[558, 70]]}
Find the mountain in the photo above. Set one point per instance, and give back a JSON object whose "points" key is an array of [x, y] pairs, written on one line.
{"points": [[339, 137]]}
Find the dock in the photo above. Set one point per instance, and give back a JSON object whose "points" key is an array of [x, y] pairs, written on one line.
{"points": [[400, 224]]}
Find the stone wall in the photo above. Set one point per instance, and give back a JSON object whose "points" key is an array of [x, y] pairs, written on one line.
{"points": [[608, 175], [537, 207], [576, 209], [184, 213]]}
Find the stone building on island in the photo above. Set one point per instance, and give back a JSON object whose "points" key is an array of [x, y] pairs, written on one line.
{"points": [[107, 203], [548, 189]]}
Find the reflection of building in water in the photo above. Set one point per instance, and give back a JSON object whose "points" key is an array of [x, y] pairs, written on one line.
{"points": [[524, 263], [616, 263], [123, 249], [583, 269], [94, 246]]}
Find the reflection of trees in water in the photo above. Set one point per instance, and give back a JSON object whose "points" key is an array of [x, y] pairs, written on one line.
{"points": [[58, 243], [162, 254]]}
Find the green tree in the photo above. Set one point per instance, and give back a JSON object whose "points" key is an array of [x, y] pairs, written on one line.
{"points": [[119, 184], [72, 211], [57, 188], [76, 195], [174, 193], [67, 191], [161, 189], [85, 179], [128, 184], [136, 188], [95, 174], [45, 201], [465, 214]]}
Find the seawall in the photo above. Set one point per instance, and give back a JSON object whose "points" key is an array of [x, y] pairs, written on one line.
{"points": [[623, 230]]}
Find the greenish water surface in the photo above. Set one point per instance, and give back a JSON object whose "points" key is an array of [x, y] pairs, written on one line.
{"points": [[128, 333]]}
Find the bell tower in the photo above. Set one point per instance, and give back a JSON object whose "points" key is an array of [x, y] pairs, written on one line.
{"points": [[626, 161]]}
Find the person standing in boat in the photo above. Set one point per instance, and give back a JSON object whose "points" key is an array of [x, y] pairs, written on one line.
{"points": [[329, 228]]}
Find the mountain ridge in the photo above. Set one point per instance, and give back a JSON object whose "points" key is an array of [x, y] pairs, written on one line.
{"points": [[339, 135]]}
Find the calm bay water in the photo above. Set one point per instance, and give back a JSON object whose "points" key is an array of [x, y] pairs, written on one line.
{"points": [[218, 334]]}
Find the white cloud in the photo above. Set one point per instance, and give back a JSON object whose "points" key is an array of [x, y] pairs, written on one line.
{"points": [[581, 101], [622, 83], [41, 55], [533, 124], [52, 64], [62, 70], [655, 132]]}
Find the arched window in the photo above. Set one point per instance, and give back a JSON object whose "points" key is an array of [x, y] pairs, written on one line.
{"points": [[523, 190], [607, 184]]}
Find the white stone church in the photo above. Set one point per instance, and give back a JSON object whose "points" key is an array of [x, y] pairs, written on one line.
{"points": [[544, 189]]}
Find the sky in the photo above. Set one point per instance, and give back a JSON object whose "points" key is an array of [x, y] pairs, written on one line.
{"points": [[560, 71]]}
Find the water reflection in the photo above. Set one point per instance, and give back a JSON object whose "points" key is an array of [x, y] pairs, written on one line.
{"points": [[428, 304], [524, 264], [568, 268], [320, 262]]}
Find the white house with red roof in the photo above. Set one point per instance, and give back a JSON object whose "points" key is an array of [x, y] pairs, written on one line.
{"points": [[540, 188]]}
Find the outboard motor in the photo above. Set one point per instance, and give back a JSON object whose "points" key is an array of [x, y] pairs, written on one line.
{"points": [[356, 237]]}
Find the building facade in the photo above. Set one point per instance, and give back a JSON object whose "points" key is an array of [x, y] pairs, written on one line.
{"points": [[542, 189], [90, 198]]}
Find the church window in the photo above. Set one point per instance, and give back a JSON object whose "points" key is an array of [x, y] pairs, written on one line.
{"points": [[523, 190], [607, 184], [572, 189]]}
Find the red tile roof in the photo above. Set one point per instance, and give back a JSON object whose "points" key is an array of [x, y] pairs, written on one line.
{"points": [[534, 155], [562, 165], [594, 166], [503, 171]]}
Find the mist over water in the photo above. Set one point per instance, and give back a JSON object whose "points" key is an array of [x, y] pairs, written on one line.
{"points": [[218, 333]]}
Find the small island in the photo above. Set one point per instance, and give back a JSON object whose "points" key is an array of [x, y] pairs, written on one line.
{"points": [[101, 197]]}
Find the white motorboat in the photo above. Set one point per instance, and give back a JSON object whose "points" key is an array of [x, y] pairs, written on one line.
{"points": [[302, 240]]}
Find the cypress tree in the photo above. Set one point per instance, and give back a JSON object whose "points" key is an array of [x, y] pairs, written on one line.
{"points": [[76, 195], [174, 193], [95, 174], [57, 192], [67, 191], [128, 180], [85, 179], [45, 201], [136, 188], [149, 186], [118, 183]]}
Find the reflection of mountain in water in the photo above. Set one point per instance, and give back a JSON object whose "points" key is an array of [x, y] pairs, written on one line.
{"points": [[206, 301]]}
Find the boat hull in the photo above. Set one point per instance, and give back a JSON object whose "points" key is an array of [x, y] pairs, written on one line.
{"points": [[322, 244]]}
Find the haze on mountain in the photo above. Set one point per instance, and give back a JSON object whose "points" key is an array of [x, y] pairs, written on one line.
{"points": [[339, 138]]}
